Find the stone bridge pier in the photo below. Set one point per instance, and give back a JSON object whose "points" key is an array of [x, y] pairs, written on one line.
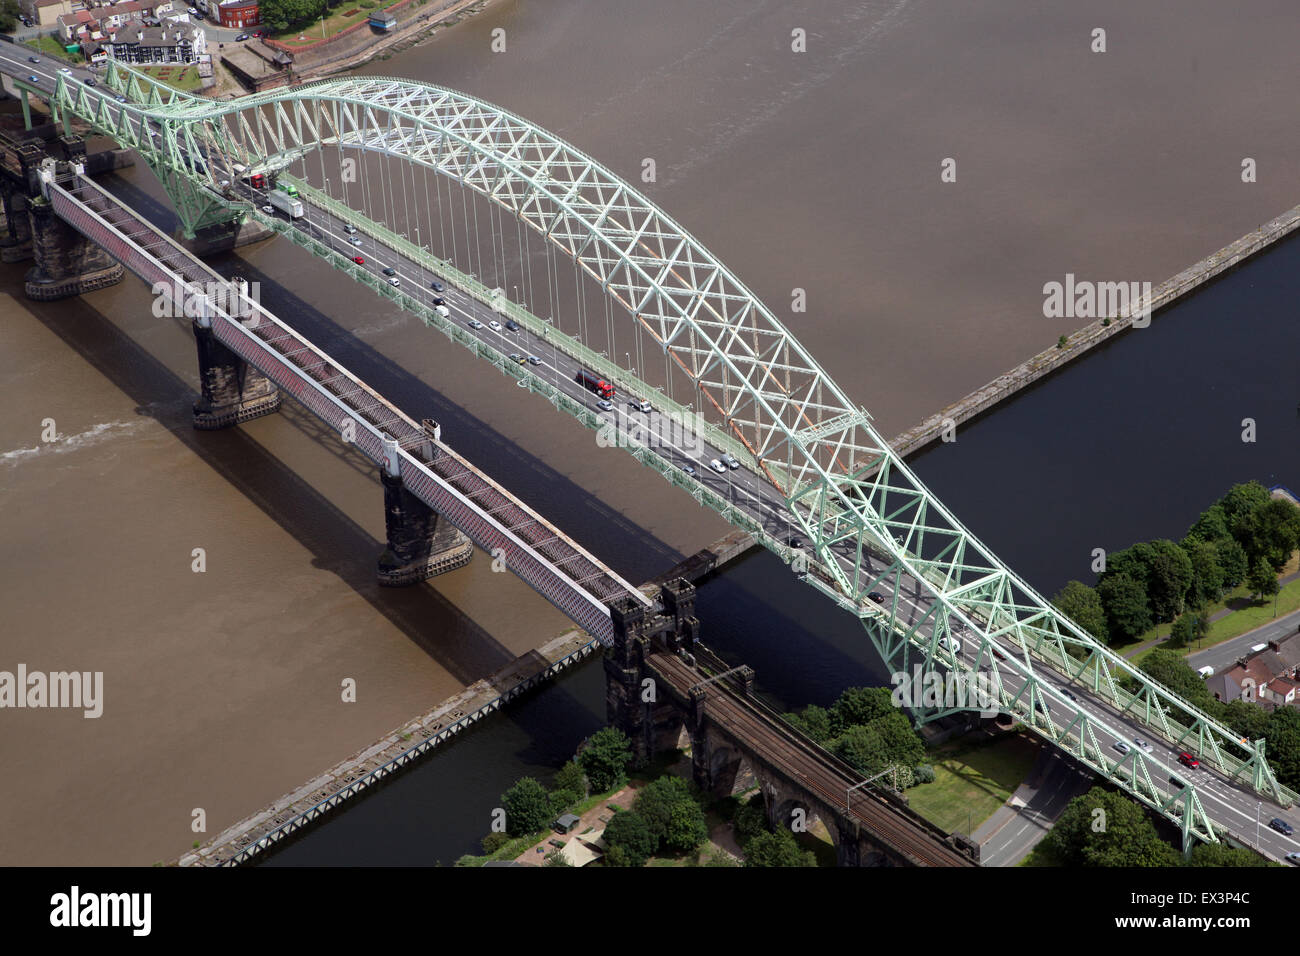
{"points": [[66, 262], [421, 543], [231, 390]]}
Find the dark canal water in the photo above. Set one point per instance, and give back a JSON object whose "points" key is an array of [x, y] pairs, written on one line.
{"points": [[1131, 443]]}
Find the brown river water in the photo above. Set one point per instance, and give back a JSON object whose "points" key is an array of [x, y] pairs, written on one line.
{"points": [[817, 170]]}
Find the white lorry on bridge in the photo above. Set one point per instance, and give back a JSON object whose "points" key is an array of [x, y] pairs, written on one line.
{"points": [[285, 203]]}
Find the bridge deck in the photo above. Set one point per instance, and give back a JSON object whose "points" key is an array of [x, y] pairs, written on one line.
{"points": [[552, 563], [791, 754]]}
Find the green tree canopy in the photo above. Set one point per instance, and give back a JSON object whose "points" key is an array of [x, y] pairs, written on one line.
{"points": [[863, 748], [814, 721], [628, 833], [687, 827], [1207, 573], [1211, 526], [1082, 605], [1104, 828], [1262, 580], [1172, 670], [605, 759], [527, 806], [1125, 602], [1233, 560], [655, 801], [777, 849], [293, 13], [859, 705], [570, 777]]}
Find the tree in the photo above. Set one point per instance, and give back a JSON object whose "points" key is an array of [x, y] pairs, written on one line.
{"points": [[1104, 828], [1169, 577], [628, 833], [1190, 626], [8, 15], [1082, 605], [1241, 502], [1172, 670], [1211, 526], [527, 806], [1217, 854], [902, 744], [292, 13], [561, 800], [1262, 580], [493, 842], [570, 777], [687, 827], [655, 802], [1283, 738], [777, 849], [605, 759], [859, 705], [862, 748], [750, 820], [814, 721], [1207, 573], [1125, 602], [1233, 560], [1271, 532]]}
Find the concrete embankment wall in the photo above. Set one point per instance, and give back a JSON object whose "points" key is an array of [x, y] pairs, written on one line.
{"points": [[1049, 360]]}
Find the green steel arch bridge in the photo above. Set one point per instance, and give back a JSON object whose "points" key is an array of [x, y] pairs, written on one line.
{"points": [[374, 158]]}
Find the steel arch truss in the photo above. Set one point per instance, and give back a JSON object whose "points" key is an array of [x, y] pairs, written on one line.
{"points": [[866, 514]]}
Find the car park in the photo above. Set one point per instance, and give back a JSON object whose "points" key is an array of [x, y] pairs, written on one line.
{"points": [[475, 324], [359, 260], [1281, 826], [1120, 747], [1187, 760], [718, 466]]}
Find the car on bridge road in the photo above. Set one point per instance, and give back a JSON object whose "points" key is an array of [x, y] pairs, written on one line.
{"points": [[90, 81], [443, 311], [605, 405], [534, 360], [796, 542], [877, 597], [1293, 858], [394, 281], [33, 59], [518, 359], [1070, 694], [512, 325], [1281, 826], [689, 469], [475, 324], [435, 285], [718, 466], [350, 229], [494, 325], [1142, 745], [1120, 747], [33, 78], [65, 71], [355, 241], [731, 461], [359, 260], [1187, 760], [269, 210], [389, 271]]}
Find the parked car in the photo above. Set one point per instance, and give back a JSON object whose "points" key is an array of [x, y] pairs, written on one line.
{"points": [[242, 37], [359, 260], [1281, 826]]}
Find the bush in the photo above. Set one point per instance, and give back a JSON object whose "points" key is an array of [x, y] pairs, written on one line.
{"points": [[605, 759], [527, 806], [493, 842], [923, 774], [628, 834], [687, 827], [570, 777], [750, 820], [561, 800], [777, 849]]}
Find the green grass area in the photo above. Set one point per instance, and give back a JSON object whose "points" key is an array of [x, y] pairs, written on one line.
{"points": [[49, 46], [972, 779], [179, 77], [338, 20]]}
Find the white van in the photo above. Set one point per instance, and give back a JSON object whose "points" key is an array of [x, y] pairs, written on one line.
{"points": [[1205, 672]]}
